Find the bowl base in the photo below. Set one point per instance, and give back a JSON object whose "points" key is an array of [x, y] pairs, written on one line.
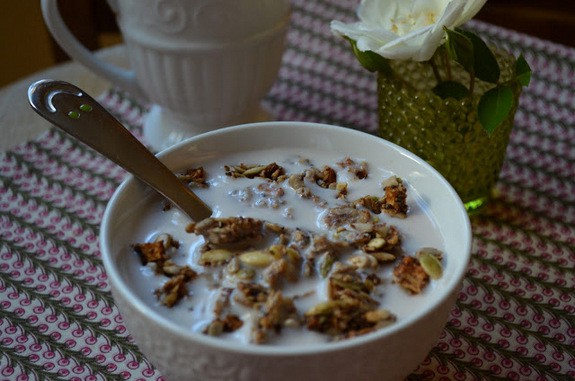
{"points": [[163, 129]]}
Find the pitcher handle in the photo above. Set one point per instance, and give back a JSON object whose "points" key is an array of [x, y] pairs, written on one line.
{"points": [[124, 78]]}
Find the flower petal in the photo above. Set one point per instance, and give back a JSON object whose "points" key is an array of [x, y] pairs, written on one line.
{"points": [[406, 29], [471, 9]]}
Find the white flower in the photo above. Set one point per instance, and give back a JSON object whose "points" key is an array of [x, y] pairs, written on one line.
{"points": [[406, 29]]}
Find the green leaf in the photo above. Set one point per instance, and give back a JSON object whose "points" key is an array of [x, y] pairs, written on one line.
{"points": [[494, 107], [460, 49], [485, 64], [522, 71], [450, 89], [370, 60]]}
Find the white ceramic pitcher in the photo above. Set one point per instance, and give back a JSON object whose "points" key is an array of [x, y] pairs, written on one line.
{"points": [[202, 64]]}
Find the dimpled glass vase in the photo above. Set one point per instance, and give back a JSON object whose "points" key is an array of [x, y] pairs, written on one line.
{"points": [[446, 132]]}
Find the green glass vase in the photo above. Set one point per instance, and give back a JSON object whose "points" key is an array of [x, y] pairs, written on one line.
{"points": [[446, 132]]}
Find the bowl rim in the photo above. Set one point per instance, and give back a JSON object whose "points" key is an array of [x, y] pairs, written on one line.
{"points": [[115, 277]]}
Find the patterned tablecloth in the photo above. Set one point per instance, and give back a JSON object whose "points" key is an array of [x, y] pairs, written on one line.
{"points": [[514, 318]]}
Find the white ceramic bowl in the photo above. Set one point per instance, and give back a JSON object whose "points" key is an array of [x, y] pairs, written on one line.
{"points": [[387, 354]]}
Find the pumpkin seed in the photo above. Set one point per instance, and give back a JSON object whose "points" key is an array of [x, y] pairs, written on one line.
{"points": [[256, 258], [253, 170], [376, 243], [215, 257], [383, 257], [430, 264], [326, 264]]}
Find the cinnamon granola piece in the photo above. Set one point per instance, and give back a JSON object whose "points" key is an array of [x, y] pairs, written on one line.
{"points": [[357, 227], [385, 239], [350, 310], [350, 285], [273, 172], [343, 319], [371, 203], [346, 215], [358, 169], [251, 294], [175, 288], [277, 312], [195, 176], [394, 202], [229, 231], [410, 275], [223, 301], [218, 326], [285, 267], [154, 252], [325, 178]]}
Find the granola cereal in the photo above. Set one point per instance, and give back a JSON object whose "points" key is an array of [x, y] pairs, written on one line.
{"points": [[300, 247]]}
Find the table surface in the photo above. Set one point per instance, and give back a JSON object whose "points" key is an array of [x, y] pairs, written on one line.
{"points": [[515, 314]]}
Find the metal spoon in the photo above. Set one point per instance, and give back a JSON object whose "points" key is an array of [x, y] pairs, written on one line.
{"points": [[78, 114]]}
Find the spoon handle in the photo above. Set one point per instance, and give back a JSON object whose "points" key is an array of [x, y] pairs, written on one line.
{"points": [[78, 114]]}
